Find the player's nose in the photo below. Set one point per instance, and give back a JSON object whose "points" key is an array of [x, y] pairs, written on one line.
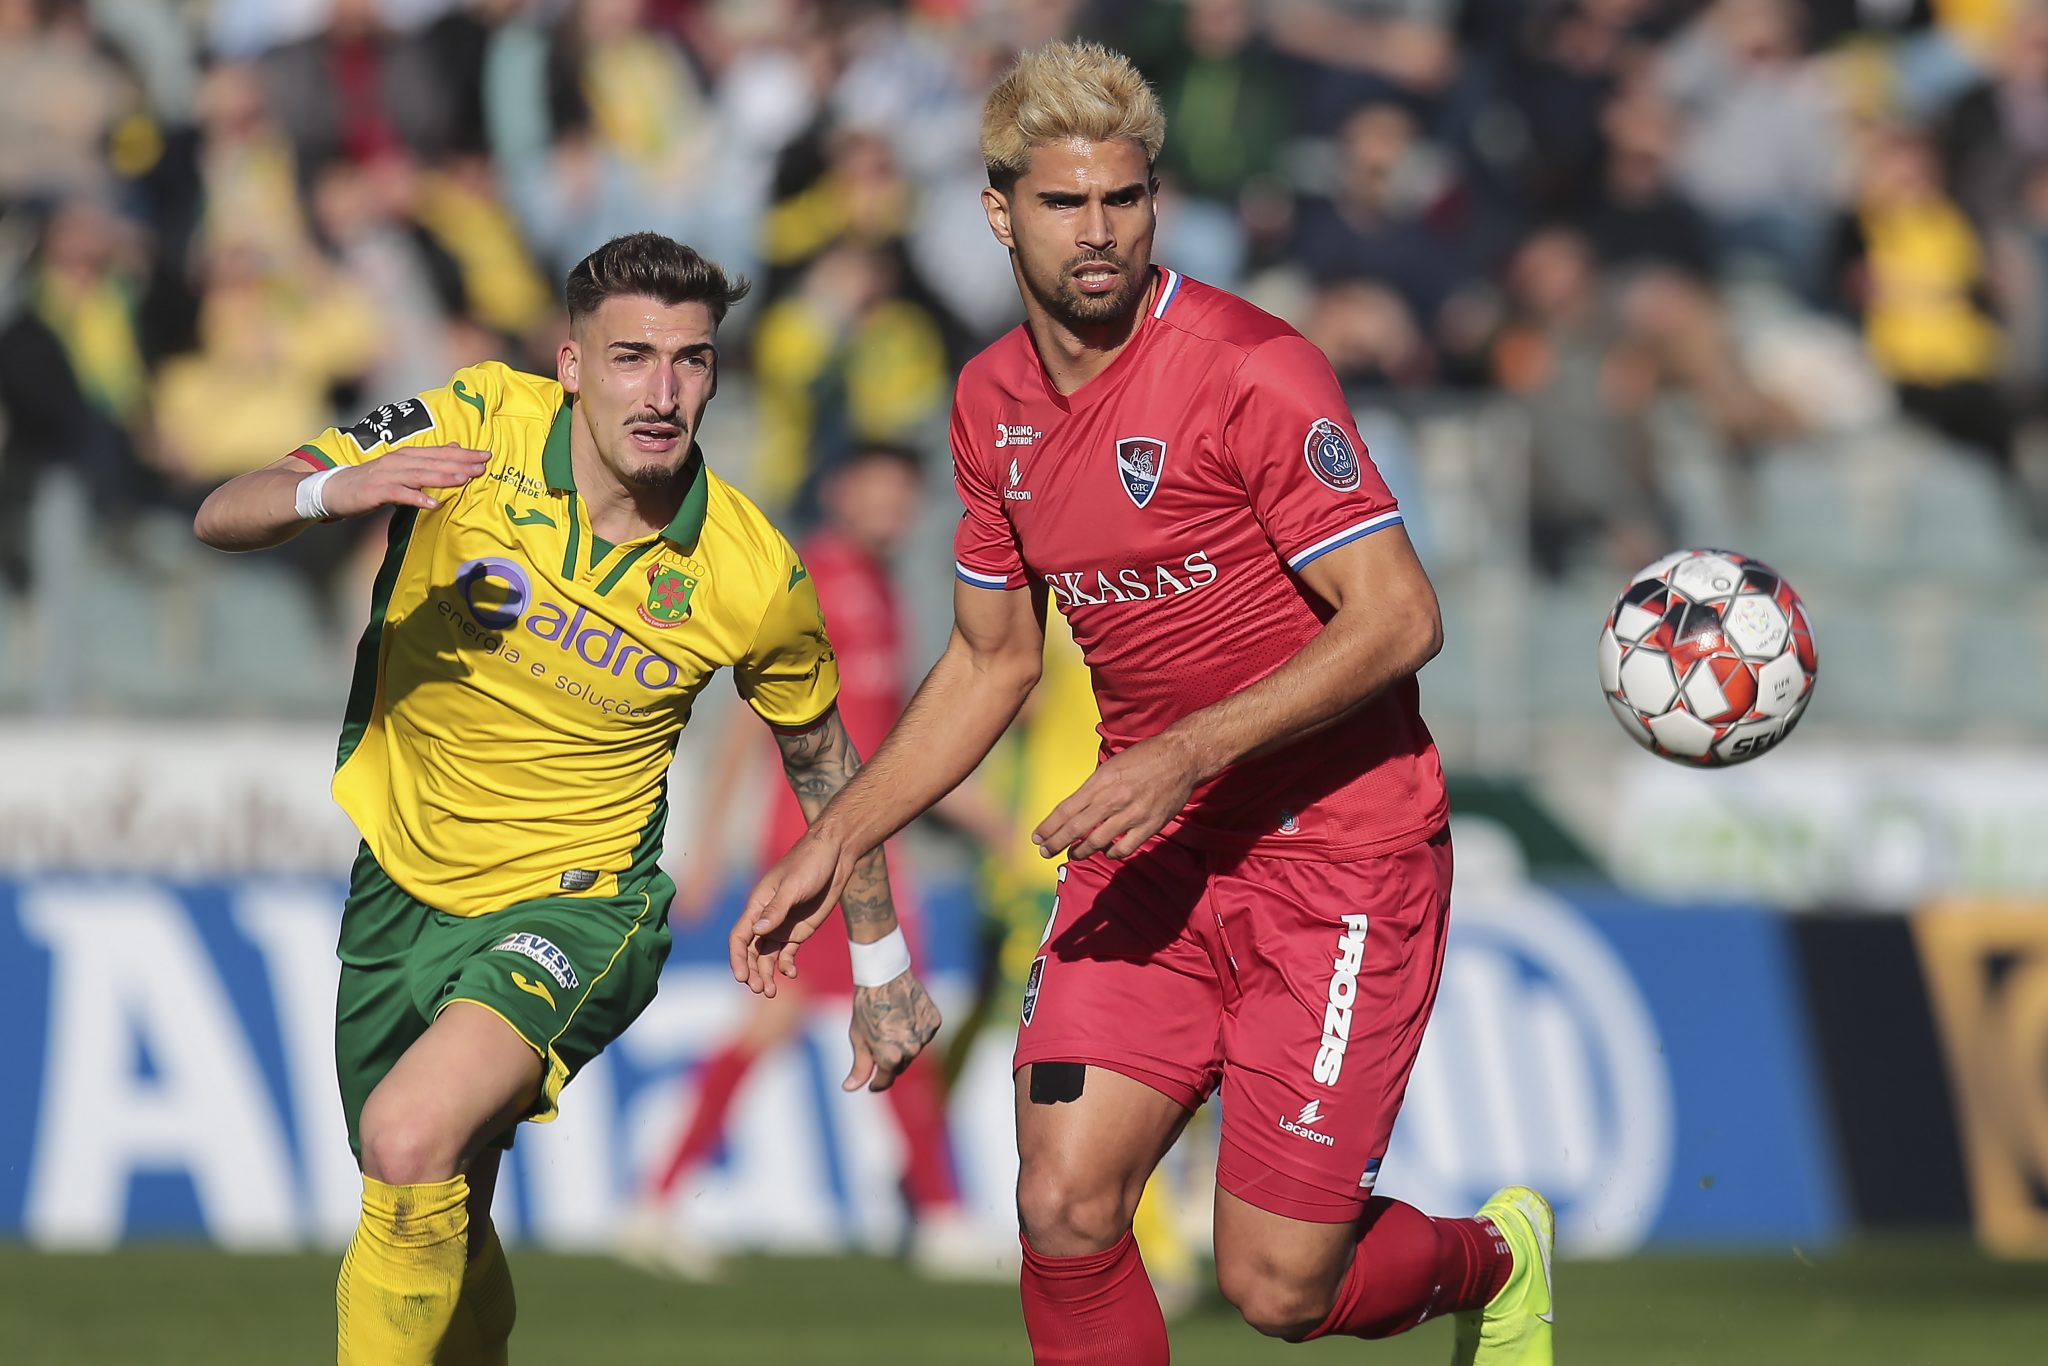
{"points": [[664, 388], [1094, 229]]}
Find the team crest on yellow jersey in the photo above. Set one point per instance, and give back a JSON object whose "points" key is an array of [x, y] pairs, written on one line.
{"points": [[668, 596]]}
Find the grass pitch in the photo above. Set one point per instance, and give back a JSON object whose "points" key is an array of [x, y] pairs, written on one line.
{"points": [[1922, 1303]]}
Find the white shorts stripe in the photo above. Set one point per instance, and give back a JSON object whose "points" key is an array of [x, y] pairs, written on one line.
{"points": [[979, 579], [1345, 537]]}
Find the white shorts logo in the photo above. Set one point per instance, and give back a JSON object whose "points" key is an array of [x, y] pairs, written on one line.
{"points": [[1301, 1125], [1343, 991], [543, 952]]}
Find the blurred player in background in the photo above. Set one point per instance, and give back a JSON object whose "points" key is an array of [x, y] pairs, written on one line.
{"points": [[869, 502], [1258, 872], [564, 577]]}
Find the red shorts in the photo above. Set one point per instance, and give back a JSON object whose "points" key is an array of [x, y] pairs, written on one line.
{"points": [[1301, 986]]}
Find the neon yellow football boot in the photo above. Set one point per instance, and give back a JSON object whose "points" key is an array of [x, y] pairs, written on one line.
{"points": [[1514, 1328]]}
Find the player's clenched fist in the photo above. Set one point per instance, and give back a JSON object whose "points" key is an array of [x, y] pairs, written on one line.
{"points": [[891, 1025], [400, 479]]}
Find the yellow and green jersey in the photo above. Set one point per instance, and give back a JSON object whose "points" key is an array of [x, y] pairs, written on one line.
{"points": [[522, 684]]}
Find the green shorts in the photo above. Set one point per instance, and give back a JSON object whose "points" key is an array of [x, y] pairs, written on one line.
{"points": [[567, 973]]}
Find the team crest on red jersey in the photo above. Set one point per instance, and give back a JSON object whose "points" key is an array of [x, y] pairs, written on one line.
{"points": [[1140, 460]]}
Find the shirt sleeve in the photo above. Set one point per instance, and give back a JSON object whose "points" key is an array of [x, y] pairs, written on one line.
{"points": [[456, 414], [789, 675], [984, 547], [1290, 434]]}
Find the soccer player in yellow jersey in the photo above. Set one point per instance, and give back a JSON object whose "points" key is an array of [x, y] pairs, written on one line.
{"points": [[565, 575]]}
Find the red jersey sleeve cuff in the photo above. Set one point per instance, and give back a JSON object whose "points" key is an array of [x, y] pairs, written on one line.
{"points": [[314, 458], [982, 578], [1345, 536]]}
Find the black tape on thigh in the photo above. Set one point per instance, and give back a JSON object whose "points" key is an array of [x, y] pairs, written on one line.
{"points": [[1054, 1083]]}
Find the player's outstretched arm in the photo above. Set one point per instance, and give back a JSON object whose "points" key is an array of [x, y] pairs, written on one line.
{"points": [[893, 1020], [1385, 626], [971, 694], [260, 509]]}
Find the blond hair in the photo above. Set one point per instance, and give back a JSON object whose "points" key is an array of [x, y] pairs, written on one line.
{"points": [[1062, 91]]}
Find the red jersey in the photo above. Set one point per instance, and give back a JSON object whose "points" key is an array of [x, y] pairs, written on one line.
{"points": [[1167, 505], [866, 628]]}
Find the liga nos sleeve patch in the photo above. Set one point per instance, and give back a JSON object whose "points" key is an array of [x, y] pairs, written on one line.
{"points": [[391, 423]]}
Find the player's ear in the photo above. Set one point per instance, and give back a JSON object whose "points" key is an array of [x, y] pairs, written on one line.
{"points": [[996, 205], [566, 366]]}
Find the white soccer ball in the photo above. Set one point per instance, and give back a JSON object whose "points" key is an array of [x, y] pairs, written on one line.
{"points": [[1708, 658]]}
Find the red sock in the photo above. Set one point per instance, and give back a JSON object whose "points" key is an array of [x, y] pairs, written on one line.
{"points": [[1084, 1311], [1410, 1267], [927, 1159], [717, 1081]]}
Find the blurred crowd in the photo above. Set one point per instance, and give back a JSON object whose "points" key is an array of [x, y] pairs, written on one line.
{"points": [[226, 223]]}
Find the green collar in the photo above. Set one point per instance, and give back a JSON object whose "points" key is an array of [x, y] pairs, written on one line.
{"points": [[683, 529]]}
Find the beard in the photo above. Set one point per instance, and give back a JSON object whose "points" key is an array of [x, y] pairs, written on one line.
{"points": [[654, 475], [658, 478], [1071, 308]]}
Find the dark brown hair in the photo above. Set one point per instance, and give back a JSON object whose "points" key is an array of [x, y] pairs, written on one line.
{"points": [[656, 266]]}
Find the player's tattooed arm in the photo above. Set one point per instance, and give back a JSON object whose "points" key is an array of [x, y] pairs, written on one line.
{"points": [[893, 1022], [818, 762], [973, 692]]}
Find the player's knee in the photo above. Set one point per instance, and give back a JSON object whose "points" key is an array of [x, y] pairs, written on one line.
{"points": [[1066, 1214], [1278, 1305], [403, 1147]]}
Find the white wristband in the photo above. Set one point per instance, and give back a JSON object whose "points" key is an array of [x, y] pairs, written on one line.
{"points": [[307, 499], [881, 962]]}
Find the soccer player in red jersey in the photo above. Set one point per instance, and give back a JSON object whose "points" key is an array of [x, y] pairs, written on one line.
{"points": [[1258, 871]]}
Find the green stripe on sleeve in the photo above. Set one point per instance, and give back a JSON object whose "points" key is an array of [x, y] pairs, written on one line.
{"points": [[362, 692]]}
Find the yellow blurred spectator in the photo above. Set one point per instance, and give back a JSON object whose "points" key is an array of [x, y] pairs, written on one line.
{"points": [[1915, 266], [841, 360], [272, 346], [645, 104], [1978, 27], [1923, 272], [84, 290], [248, 170], [860, 196], [459, 206]]}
